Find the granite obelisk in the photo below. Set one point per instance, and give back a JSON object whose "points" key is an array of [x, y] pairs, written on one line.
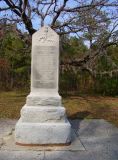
{"points": [[43, 119]]}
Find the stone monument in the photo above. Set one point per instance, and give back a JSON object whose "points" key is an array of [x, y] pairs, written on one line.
{"points": [[43, 120]]}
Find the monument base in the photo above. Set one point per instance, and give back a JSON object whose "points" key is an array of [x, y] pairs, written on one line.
{"points": [[42, 133]]}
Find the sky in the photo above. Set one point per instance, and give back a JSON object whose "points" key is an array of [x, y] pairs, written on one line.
{"points": [[36, 20]]}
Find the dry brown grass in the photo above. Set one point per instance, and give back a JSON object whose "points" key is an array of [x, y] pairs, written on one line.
{"points": [[77, 107], [11, 104], [93, 107]]}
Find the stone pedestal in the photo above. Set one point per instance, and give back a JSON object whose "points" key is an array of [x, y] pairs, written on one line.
{"points": [[43, 120]]}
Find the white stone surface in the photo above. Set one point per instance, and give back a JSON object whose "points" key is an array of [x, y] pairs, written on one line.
{"points": [[43, 133], [43, 100], [43, 114], [9, 145], [45, 60], [43, 119]]}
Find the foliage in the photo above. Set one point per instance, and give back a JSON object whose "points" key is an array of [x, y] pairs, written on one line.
{"points": [[73, 48], [15, 66], [95, 21], [17, 56]]}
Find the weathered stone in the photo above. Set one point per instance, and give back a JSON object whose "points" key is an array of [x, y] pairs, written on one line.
{"points": [[43, 133], [43, 114], [43, 119], [39, 100], [1, 142], [45, 60]]}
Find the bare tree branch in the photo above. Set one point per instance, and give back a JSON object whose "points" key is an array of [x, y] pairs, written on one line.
{"points": [[58, 12]]}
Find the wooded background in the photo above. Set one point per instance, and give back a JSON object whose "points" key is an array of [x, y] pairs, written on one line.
{"points": [[84, 69]]}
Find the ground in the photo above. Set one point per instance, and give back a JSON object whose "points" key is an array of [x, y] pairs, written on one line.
{"points": [[77, 107], [94, 140]]}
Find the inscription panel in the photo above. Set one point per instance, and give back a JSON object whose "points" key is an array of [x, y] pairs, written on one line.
{"points": [[45, 66]]}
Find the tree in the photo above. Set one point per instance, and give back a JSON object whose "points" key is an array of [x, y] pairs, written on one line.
{"points": [[25, 10], [14, 58], [94, 22], [73, 48], [69, 16]]}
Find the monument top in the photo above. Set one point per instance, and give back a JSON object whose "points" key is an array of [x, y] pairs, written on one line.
{"points": [[45, 36], [45, 61]]}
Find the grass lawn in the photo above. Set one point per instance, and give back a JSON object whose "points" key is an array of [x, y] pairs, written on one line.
{"points": [[77, 107]]}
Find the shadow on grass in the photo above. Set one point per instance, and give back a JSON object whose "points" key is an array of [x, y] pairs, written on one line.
{"points": [[97, 110], [80, 115]]}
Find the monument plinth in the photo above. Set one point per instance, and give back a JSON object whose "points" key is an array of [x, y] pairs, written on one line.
{"points": [[43, 119]]}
